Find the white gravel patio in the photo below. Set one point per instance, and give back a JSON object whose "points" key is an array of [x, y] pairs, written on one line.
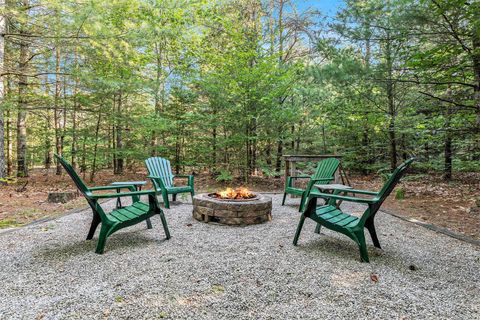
{"points": [[205, 271]]}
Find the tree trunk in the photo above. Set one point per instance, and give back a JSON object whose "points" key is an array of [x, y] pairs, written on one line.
{"points": [[427, 151], [476, 94], [57, 116], [391, 104], [247, 168], [366, 150], [119, 137], [9, 144], [324, 139], [404, 148], [3, 170], [214, 149], [94, 163], [48, 156], [278, 163], [74, 114], [83, 165], [178, 149], [112, 144], [447, 170], [292, 142], [158, 95], [22, 167], [268, 152], [47, 162]]}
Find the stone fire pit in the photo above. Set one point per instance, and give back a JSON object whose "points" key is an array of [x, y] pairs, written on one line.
{"points": [[232, 212]]}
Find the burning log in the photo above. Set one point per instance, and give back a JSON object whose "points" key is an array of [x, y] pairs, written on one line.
{"points": [[234, 194]]}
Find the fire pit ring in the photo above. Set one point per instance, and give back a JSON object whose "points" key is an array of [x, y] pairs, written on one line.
{"points": [[232, 211]]}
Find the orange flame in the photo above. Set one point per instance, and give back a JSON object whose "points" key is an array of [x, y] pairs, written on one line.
{"points": [[239, 193]]}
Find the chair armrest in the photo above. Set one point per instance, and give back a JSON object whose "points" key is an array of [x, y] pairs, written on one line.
{"points": [[324, 179], [123, 186], [344, 198], [371, 193], [122, 194], [312, 182], [288, 182], [189, 176], [157, 182]]}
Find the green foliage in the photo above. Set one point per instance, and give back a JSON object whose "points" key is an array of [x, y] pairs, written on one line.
{"points": [[400, 193], [225, 84], [8, 223], [224, 176]]}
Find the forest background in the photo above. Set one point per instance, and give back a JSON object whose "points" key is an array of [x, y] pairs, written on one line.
{"points": [[226, 88]]}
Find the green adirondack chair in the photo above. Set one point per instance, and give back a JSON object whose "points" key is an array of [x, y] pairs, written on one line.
{"points": [[324, 174], [160, 172], [353, 227], [111, 222]]}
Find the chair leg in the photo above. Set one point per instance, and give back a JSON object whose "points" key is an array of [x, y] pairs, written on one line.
{"points": [[317, 228], [362, 245], [299, 229], [166, 202], [164, 223], [102, 238], [302, 203], [95, 222], [174, 197], [371, 229], [192, 193], [284, 197], [149, 223]]}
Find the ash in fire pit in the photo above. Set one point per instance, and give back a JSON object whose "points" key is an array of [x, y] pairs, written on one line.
{"points": [[232, 207]]}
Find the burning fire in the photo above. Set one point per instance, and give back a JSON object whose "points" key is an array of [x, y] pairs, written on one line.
{"points": [[238, 193]]}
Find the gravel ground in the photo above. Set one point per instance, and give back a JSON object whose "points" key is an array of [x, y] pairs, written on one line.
{"points": [[205, 271]]}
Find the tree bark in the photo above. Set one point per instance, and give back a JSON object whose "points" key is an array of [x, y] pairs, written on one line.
{"points": [[94, 163], [57, 113], [278, 163], [448, 153], [476, 93], [83, 165], [2, 94], [158, 95], [447, 170], [119, 137], [75, 108], [392, 112], [214, 148], [22, 167], [48, 145], [48, 156], [9, 144]]}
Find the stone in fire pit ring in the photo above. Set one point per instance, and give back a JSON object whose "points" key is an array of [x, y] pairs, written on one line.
{"points": [[232, 212]]}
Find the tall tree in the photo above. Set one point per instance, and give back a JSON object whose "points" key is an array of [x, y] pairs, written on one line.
{"points": [[3, 163]]}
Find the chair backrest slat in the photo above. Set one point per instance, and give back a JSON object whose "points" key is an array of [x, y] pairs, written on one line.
{"points": [[387, 188], [393, 180], [160, 167], [326, 168], [71, 172]]}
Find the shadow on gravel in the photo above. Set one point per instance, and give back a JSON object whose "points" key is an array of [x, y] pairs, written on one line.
{"points": [[339, 248], [117, 242]]}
